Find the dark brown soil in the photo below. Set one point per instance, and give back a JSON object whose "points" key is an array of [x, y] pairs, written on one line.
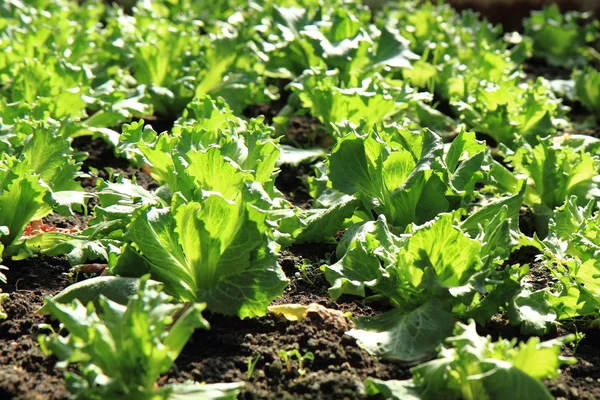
{"points": [[222, 354], [510, 14], [272, 109], [25, 372], [594, 132], [257, 110], [580, 116], [582, 380], [308, 285], [487, 139], [337, 371], [292, 183], [527, 221], [160, 123], [100, 156], [77, 221], [307, 131]]}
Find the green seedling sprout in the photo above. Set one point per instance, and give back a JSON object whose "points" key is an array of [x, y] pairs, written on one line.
{"points": [[252, 361], [286, 356]]}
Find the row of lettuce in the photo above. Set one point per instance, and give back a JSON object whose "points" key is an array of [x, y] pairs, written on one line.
{"points": [[430, 214]]}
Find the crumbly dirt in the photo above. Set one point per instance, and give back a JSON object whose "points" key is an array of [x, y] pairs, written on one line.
{"points": [[581, 380], [581, 118], [265, 110], [76, 221], [307, 131], [25, 372], [222, 353], [292, 182], [100, 156], [527, 221], [269, 111], [337, 371], [510, 14]]}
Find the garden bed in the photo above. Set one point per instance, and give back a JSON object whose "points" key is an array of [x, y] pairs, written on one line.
{"points": [[222, 353], [327, 362]]}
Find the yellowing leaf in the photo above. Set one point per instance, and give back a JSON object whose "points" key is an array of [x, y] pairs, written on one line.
{"points": [[291, 312]]}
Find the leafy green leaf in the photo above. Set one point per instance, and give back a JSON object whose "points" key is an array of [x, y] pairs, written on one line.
{"points": [[532, 311], [392, 389], [398, 335], [370, 100], [19, 203], [555, 173], [402, 178], [116, 289]]}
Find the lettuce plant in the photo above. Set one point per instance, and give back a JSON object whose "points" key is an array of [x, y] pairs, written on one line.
{"points": [[571, 251], [428, 274], [473, 367], [75, 77], [370, 100], [208, 233], [339, 37], [103, 241], [449, 44], [433, 272], [405, 174], [213, 249], [175, 62], [573, 231], [506, 111], [161, 53], [587, 89], [121, 350], [57, 90], [213, 242], [555, 173], [207, 130], [425, 24], [561, 39], [464, 62], [37, 179]]}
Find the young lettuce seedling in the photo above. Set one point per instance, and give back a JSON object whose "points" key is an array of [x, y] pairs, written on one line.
{"points": [[287, 355], [121, 350], [252, 361]]}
